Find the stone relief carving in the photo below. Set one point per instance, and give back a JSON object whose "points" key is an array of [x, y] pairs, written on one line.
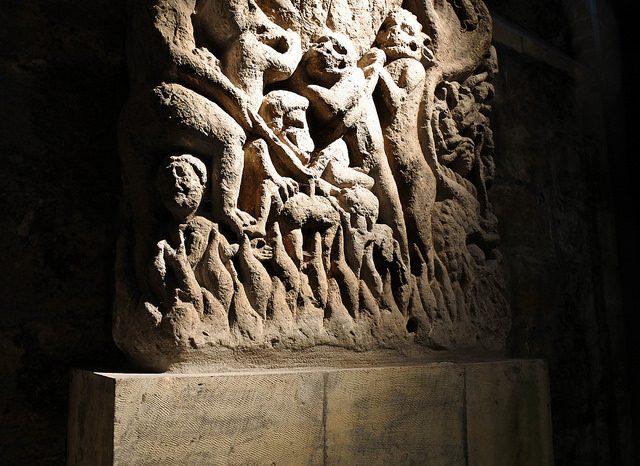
{"points": [[298, 176]]}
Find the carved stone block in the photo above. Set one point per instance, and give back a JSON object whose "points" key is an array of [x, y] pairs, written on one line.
{"points": [[493, 413], [298, 175], [503, 398], [401, 415], [261, 418]]}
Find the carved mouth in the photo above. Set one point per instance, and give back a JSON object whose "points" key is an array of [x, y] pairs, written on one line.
{"points": [[279, 44], [402, 51], [340, 49]]}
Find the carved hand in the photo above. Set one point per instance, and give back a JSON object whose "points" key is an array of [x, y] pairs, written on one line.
{"points": [[287, 187], [372, 62], [245, 114], [177, 257], [372, 57]]}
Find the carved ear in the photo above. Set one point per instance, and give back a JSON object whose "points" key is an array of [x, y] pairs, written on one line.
{"points": [[460, 31]]}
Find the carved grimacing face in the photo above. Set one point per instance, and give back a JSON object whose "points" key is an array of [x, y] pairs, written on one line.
{"points": [[401, 36], [330, 56], [296, 129], [180, 188], [279, 48], [286, 114]]}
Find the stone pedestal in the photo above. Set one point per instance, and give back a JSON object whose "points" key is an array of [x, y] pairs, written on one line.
{"points": [[489, 413]]}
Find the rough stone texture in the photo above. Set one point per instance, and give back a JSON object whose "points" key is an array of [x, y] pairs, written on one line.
{"points": [[547, 19], [87, 428], [258, 419], [63, 85], [380, 416], [324, 181], [581, 190], [560, 269], [437, 414], [502, 399]]}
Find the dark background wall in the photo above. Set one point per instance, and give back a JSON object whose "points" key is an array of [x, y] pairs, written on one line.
{"points": [[562, 195], [62, 83], [566, 204]]}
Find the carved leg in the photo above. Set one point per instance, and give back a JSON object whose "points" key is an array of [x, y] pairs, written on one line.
{"points": [[179, 119], [365, 140]]}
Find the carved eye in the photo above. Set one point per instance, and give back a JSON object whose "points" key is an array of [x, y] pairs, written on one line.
{"points": [[292, 122], [339, 48], [261, 29], [408, 29]]}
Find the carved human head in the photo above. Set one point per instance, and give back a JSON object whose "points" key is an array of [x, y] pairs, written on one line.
{"points": [[285, 113], [181, 181], [401, 36], [329, 57], [268, 48]]}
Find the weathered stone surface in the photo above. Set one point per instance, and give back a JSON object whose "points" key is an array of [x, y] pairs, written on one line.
{"points": [[438, 414], [505, 402], [268, 418], [63, 84], [403, 415], [307, 175], [91, 428]]}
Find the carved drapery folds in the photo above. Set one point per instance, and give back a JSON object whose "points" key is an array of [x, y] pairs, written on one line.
{"points": [[307, 175]]}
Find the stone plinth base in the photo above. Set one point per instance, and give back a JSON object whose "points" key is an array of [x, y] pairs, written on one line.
{"points": [[491, 413]]}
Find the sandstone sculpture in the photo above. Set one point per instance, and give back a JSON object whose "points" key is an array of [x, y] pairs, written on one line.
{"points": [[305, 176]]}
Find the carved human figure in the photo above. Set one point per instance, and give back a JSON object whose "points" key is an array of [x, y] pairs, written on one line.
{"points": [[192, 263], [340, 89], [316, 221], [189, 259], [469, 107], [402, 87], [339, 189], [285, 114], [192, 100], [454, 150]]}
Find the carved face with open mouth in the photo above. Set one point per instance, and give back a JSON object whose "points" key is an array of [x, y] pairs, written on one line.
{"points": [[401, 36], [296, 130], [329, 57], [264, 47], [181, 181], [285, 113]]}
